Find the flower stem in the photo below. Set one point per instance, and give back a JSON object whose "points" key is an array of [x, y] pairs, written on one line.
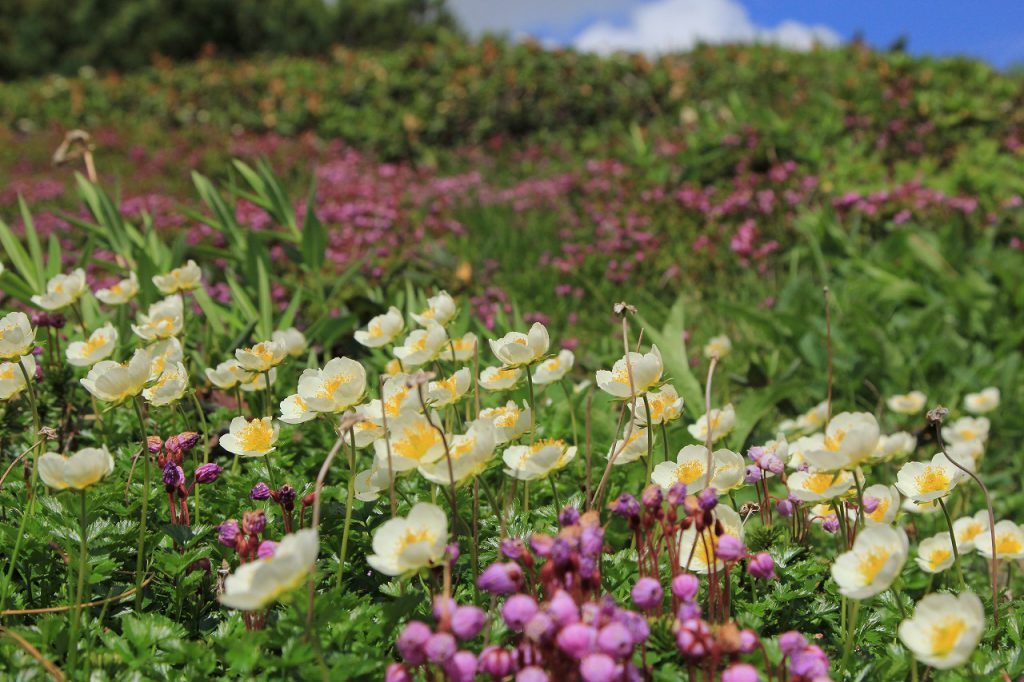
{"points": [[141, 550], [206, 442], [348, 504], [650, 439], [851, 626], [952, 540], [80, 592], [533, 407], [572, 412]]}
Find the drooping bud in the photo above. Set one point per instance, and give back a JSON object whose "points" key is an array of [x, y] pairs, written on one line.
{"points": [[647, 593], [266, 549], [762, 566], [260, 491], [227, 533], [501, 578], [253, 522], [208, 473]]}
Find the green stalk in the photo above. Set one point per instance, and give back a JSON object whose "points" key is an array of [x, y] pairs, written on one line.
{"points": [[348, 505], [851, 626], [141, 550], [206, 442], [650, 440], [80, 593], [533, 407], [664, 438], [572, 412], [952, 540]]}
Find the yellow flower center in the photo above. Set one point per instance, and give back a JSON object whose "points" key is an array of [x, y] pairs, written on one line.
{"points": [[968, 434], [936, 558], [833, 443], [934, 479], [412, 536], [878, 516], [970, 532], [552, 365], [688, 472], [1008, 544], [459, 450], [507, 417], [256, 436], [462, 344], [393, 405], [332, 384], [521, 341], [449, 386], [872, 562], [944, 637], [375, 329], [420, 343], [95, 342], [7, 371], [546, 442], [418, 439], [819, 483]]}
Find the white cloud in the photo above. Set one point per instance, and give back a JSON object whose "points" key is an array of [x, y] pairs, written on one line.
{"points": [[669, 25], [525, 16]]}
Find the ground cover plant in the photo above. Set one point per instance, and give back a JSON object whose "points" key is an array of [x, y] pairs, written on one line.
{"points": [[719, 398]]}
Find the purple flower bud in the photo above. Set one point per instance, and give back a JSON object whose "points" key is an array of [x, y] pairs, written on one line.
{"points": [[774, 464], [154, 444], [830, 523], [708, 499], [755, 453], [561, 553], [647, 593], [468, 621], [592, 541], [266, 549], [260, 491], [518, 609], [676, 494], [562, 608], [688, 610], [652, 497], [411, 641], [570, 516], [785, 508], [173, 476], [540, 627], [753, 474], [685, 586], [577, 640], [513, 548], [693, 638], [496, 662], [762, 565], [461, 667], [439, 647], [286, 496], [748, 641], [501, 579], [810, 663], [181, 443], [451, 552], [792, 642], [396, 672], [625, 506], [208, 473], [615, 640], [740, 672], [438, 606], [253, 522], [636, 624], [227, 533], [588, 567], [598, 668], [541, 544], [730, 548], [870, 504], [532, 674]]}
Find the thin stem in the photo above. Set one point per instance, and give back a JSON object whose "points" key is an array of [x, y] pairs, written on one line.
{"points": [[554, 493], [952, 540], [572, 412], [851, 626], [828, 337], [533, 406], [650, 439], [664, 439], [80, 592], [348, 504], [708, 424], [387, 445], [141, 550], [270, 394]]}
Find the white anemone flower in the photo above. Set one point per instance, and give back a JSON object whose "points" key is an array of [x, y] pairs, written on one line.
{"points": [[500, 378], [887, 499], [878, 555], [966, 429], [16, 336], [169, 387], [162, 354], [185, 278], [120, 292], [444, 392], [440, 309], [968, 531], [819, 486], [666, 406], [99, 346], [1009, 541], [944, 630], [257, 382], [718, 347], [295, 410], [410, 543], [630, 448], [422, 346], [62, 291], [645, 369], [164, 319], [399, 398], [292, 339], [335, 388], [690, 467], [114, 382], [894, 446], [516, 349], [554, 369], [983, 402], [413, 441], [470, 453], [928, 481], [532, 462], [257, 584], [382, 329], [935, 554], [462, 348], [78, 472], [907, 403], [699, 551], [510, 421], [227, 374], [722, 423], [262, 356], [12, 379], [250, 437], [370, 483], [850, 438], [729, 470]]}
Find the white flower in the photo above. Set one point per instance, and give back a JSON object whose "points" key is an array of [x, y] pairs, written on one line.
{"points": [[697, 552], [251, 383], [294, 410], [516, 349], [646, 371], [907, 403], [666, 406], [935, 554], [12, 380], [262, 356], [718, 347], [79, 471], [510, 422], [1009, 541], [114, 382], [398, 398], [820, 485], [368, 430], [909, 505], [553, 369], [500, 378], [335, 388], [463, 347], [799, 448], [470, 453], [410, 543], [413, 440], [164, 319], [381, 329], [985, 401], [185, 278], [968, 530], [966, 429], [259, 583], [227, 374], [888, 498], [62, 291], [98, 346], [690, 467], [170, 386], [722, 423], [449, 391], [162, 354], [851, 438], [292, 339], [16, 336], [440, 309], [631, 448], [925, 482], [899, 444], [121, 292], [369, 484], [944, 630], [422, 345], [729, 470], [877, 557], [808, 422], [531, 462], [250, 437]]}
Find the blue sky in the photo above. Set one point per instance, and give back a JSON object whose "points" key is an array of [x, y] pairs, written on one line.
{"points": [[990, 29]]}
